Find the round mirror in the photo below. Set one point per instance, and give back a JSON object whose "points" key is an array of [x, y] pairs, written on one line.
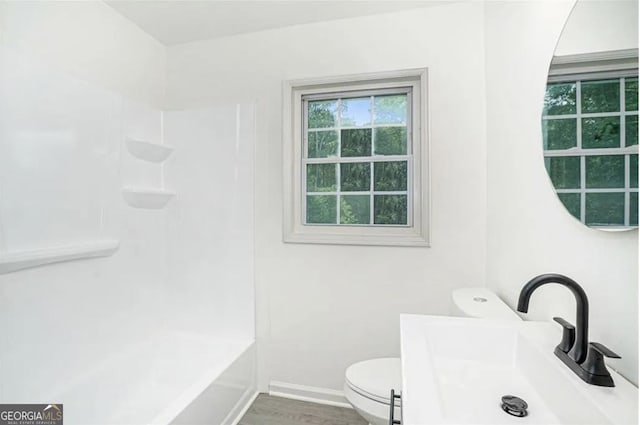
{"points": [[590, 114]]}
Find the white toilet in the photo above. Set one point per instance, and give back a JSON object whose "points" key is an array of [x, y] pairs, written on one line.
{"points": [[368, 384]]}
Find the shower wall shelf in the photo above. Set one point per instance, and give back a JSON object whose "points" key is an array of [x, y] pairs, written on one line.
{"points": [[153, 199], [147, 151], [14, 261]]}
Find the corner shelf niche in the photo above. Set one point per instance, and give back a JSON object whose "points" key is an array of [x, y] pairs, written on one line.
{"points": [[147, 151], [11, 262], [153, 199]]}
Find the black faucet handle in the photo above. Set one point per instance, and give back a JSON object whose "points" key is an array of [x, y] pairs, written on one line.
{"points": [[564, 323], [603, 350], [568, 334], [595, 367]]}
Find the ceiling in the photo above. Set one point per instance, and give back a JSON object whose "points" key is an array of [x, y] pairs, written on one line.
{"points": [[183, 21]]}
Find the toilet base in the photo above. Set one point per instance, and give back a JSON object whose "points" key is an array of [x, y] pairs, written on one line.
{"points": [[375, 412]]}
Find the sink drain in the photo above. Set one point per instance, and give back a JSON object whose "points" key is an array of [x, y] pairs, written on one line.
{"points": [[515, 406]]}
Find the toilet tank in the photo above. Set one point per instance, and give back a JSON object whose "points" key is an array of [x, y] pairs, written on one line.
{"points": [[480, 303]]}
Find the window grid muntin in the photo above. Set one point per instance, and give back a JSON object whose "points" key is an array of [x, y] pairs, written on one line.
{"points": [[372, 159], [624, 150]]}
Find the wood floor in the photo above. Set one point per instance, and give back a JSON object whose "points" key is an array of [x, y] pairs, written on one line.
{"points": [[268, 410]]}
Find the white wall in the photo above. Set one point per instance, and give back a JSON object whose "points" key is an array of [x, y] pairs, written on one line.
{"points": [[321, 308], [600, 26], [529, 231], [88, 40]]}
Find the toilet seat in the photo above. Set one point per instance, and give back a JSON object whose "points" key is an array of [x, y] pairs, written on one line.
{"points": [[374, 379]]}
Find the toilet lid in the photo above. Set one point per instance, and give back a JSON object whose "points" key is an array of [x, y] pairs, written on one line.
{"points": [[375, 378]]}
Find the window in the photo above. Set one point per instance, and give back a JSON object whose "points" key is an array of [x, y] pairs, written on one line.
{"points": [[355, 160], [590, 139]]}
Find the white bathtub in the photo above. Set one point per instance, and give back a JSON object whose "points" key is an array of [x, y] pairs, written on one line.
{"points": [[175, 378]]}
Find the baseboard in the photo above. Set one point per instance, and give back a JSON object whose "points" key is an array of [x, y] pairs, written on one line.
{"points": [[307, 393], [241, 407]]}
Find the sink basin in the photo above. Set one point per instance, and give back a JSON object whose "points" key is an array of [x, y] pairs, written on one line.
{"points": [[456, 370]]}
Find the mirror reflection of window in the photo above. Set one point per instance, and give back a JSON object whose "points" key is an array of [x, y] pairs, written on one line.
{"points": [[590, 139], [590, 118]]}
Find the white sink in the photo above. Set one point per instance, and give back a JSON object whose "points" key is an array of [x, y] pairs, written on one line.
{"points": [[456, 370]]}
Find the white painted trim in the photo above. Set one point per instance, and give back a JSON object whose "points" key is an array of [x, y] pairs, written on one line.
{"points": [[599, 190], [294, 231], [609, 55], [619, 62], [241, 408], [627, 150], [311, 394], [383, 79]]}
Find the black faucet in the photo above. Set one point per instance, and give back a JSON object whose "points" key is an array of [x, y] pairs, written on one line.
{"points": [[583, 358]]}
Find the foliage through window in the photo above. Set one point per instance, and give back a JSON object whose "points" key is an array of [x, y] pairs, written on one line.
{"points": [[357, 158], [590, 138]]}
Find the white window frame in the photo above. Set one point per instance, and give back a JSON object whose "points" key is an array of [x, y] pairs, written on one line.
{"points": [[580, 68], [416, 233]]}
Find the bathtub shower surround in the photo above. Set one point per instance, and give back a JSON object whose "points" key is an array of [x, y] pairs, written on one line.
{"points": [[58, 142], [210, 227], [162, 329]]}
